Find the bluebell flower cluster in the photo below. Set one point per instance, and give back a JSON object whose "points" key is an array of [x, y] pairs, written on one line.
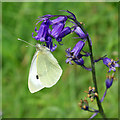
{"points": [[47, 34], [56, 29]]}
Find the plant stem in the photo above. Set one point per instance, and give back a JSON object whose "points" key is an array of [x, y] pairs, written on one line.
{"points": [[93, 69], [94, 79]]}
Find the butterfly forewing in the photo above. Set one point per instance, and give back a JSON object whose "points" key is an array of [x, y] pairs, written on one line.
{"points": [[34, 83]]}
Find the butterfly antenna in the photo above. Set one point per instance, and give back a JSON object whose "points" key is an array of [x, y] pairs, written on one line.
{"points": [[26, 42]]}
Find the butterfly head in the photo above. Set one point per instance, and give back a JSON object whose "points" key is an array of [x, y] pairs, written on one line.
{"points": [[41, 47]]}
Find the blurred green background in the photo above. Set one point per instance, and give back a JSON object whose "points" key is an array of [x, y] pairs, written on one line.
{"points": [[60, 101]]}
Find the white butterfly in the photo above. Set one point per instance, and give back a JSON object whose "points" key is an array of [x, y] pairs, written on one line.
{"points": [[44, 71]]}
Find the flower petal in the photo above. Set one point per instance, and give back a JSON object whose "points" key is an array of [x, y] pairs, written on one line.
{"points": [[57, 28], [78, 47], [64, 32], [58, 20]]}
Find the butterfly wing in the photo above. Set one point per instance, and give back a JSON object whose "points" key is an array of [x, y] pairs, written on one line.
{"points": [[48, 69], [34, 83]]}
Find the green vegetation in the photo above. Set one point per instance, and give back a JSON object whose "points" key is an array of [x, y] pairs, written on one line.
{"points": [[60, 101]]}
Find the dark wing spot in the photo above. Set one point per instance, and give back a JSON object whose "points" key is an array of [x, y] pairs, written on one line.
{"points": [[37, 77]]}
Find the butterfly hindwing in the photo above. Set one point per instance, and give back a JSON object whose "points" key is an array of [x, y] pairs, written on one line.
{"points": [[48, 69]]}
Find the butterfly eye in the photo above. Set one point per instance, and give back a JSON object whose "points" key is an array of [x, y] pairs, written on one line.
{"points": [[37, 77]]}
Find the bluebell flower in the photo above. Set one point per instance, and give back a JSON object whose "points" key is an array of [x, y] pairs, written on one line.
{"points": [[56, 29], [78, 47], [80, 33], [111, 64], [64, 32], [75, 55], [109, 81], [43, 31]]}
